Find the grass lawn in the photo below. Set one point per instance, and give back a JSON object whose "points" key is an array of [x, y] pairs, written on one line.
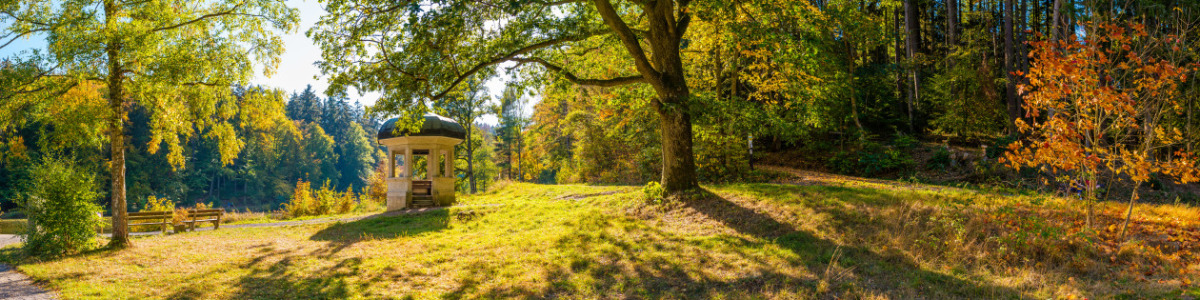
{"points": [[838, 240]]}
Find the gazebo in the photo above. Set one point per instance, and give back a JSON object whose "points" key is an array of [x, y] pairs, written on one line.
{"points": [[433, 144]]}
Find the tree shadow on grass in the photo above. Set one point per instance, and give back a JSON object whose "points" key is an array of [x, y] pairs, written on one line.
{"points": [[880, 273], [285, 273], [610, 258], [279, 274], [342, 235]]}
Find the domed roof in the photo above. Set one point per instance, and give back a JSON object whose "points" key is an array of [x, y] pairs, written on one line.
{"points": [[435, 125]]}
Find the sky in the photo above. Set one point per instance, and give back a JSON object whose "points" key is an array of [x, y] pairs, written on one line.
{"points": [[296, 69]]}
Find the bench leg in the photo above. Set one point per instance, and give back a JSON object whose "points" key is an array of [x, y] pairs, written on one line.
{"points": [[217, 224]]}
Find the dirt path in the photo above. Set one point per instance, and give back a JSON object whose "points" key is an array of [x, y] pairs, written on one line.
{"points": [[17, 286], [13, 284]]}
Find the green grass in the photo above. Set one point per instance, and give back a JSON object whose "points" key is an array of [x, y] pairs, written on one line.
{"points": [[572, 241]]}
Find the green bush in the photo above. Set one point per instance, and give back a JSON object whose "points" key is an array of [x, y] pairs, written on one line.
{"points": [[60, 203], [906, 142], [870, 160], [653, 191], [940, 159], [345, 202], [327, 200], [302, 200]]}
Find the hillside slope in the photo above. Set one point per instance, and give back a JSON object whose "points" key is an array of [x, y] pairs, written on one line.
{"points": [[812, 237]]}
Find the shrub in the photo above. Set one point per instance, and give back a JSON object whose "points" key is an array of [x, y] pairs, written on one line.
{"points": [[154, 204], [376, 191], [871, 159], [653, 191], [59, 202], [326, 201], [302, 200], [179, 216], [940, 159], [346, 202], [158, 204], [906, 142]]}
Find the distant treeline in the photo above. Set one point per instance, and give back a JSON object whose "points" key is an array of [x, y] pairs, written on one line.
{"points": [[306, 138]]}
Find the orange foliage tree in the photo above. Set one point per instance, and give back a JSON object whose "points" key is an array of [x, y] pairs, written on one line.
{"points": [[1098, 105]]}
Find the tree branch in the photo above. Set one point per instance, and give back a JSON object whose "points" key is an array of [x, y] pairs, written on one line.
{"points": [[588, 82], [201, 18], [10, 41], [685, 19], [509, 57], [628, 39]]}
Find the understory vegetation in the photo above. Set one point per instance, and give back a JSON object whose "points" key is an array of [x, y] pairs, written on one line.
{"points": [[809, 237]]}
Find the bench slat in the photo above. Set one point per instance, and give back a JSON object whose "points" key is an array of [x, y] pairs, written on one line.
{"points": [[201, 221], [158, 223], [149, 213], [138, 218], [218, 210]]}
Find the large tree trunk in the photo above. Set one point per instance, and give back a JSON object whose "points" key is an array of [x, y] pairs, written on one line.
{"points": [[1014, 109], [912, 26], [470, 159], [899, 50], [679, 167], [1056, 22], [664, 72], [952, 27], [116, 135]]}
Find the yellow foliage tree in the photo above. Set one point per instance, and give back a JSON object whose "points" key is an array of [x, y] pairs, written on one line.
{"points": [[1097, 105]]}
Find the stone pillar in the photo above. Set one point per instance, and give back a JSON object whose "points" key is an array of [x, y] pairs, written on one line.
{"points": [[450, 162], [408, 162], [431, 163], [391, 163]]}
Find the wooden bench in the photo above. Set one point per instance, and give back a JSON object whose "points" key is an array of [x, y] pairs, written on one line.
{"points": [[162, 218], [204, 215]]}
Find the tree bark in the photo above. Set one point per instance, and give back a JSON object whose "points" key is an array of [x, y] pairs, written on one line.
{"points": [[1010, 82], [116, 134], [678, 170], [912, 27], [666, 76], [1056, 22], [952, 27], [470, 158], [899, 50]]}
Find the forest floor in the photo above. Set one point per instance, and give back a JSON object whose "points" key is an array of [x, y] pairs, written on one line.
{"points": [[811, 235]]}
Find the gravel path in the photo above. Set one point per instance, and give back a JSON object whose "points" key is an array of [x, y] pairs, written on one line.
{"points": [[13, 284]]}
